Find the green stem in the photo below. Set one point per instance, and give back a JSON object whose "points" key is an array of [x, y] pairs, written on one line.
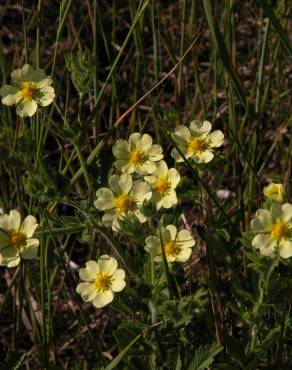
{"points": [[42, 289], [84, 167], [263, 285], [63, 18], [142, 6], [166, 269]]}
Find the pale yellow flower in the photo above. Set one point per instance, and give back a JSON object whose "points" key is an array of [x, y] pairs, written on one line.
{"points": [[274, 192], [196, 142], [177, 245], [16, 238], [137, 155], [101, 280], [121, 198], [29, 89], [163, 183], [274, 230]]}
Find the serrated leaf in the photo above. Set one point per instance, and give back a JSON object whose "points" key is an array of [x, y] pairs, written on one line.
{"points": [[204, 356], [13, 360]]}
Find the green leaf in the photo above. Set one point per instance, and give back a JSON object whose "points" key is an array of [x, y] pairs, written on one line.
{"points": [[114, 363], [204, 356], [269, 11], [218, 41]]}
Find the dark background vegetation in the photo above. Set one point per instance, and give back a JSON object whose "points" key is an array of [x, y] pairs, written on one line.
{"points": [[237, 75]]}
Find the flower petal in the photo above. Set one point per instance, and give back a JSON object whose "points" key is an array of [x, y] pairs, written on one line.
{"points": [[45, 95], [125, 183], [172, 230], [162, 169], [258, 225], [153, 245], [30, 251], [4, 240], [276, 211], [155, 153], [140, 216], [11, 262], [109, 218], [103, 299], [134, 139], [199, 128], [203, 157], [13, 220], [90, 271], [118, 282], [145, 143], [184, 255], [4, 222], [107, 264], [176, 155], [10, 94], [285, 248], [264, 243], [141, 191], [174, 177], [22, 74], [88, 291], [165, 234], [120, 184], [181, 135], [104, 199], [265, 216], [185, 238], [43, 82], [169, 200], [216, 138], [9, 252], [26, 108], [287, 212], [29, 226]]}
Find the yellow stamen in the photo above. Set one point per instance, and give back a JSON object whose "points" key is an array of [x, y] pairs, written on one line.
{"points": [[172, 249], [136, 157], [124, 203], [17, 239], [196, 145], [27, 90], [163, 186], [103, 281], [279, 230]]}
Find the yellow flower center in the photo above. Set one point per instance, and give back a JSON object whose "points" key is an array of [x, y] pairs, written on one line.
{"points": [[136, 157], [279, 230], [172, 249], [16, 239], [163, 186], [27, 91], [196, 145], [103, 282], [124, 203]]}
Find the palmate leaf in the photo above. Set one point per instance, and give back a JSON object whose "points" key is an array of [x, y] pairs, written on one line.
{"points": [[13, 361], [204, 356]]}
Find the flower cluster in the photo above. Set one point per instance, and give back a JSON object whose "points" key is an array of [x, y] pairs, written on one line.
{"points": [[273, 226], [29, 89], [143, 175]]}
